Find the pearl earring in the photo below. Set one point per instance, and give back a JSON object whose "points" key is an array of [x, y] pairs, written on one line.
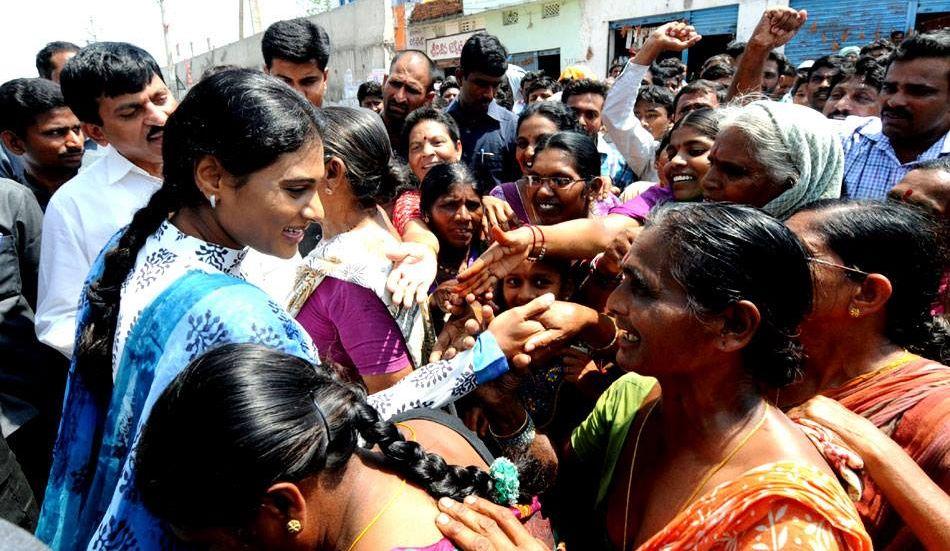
{"points": [[213, 200]]}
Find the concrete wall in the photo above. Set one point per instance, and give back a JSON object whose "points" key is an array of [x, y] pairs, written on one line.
{"points": [[362, 35], [543, 34]]}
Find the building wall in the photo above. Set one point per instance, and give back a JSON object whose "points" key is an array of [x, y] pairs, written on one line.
{"points": [[532, 32], [362, 35]]}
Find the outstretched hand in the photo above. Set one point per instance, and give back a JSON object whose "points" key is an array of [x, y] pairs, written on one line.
{"points": [[504, 255], [414, 268], [514, 327], [777, 27]]}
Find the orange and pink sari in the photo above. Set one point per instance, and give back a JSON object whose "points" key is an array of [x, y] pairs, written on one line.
{"points": [[911, 404], [782, 505]]}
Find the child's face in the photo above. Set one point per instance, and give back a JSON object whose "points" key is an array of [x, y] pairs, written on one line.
{"points": [[529, 281]]}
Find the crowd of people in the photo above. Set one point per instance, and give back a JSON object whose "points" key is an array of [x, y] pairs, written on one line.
{"points": [[492, 310]]}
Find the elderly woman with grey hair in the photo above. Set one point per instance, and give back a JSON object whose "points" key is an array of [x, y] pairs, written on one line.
{"points": [[775, 156]]}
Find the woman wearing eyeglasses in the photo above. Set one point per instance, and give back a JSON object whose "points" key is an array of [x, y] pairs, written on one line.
{"points": [[876, 362]]}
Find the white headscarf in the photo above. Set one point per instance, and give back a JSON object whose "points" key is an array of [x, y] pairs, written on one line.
{"points": [[810, 141]]}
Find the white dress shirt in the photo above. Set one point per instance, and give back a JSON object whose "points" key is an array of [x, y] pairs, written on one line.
{"points": [[634, 142], [81, 218]]}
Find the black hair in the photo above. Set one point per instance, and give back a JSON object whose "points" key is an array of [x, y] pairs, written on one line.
{"points": [[44, 58], [705, 121], [250, 417], [244, 119], [370, 88], [658, 95], [503, 94], [449, 82], [22, 100], [719, 59], [833, 61], [786, 66], [663, 75], [483, 53], [871, 71], [735, 48], [924, 45], [579, 146], [723, 253], [673, 63], [427, 113], [215, 69], [581, 86], [716, 71], [902, 243], [432, 67], [358, 137], [663, 143], [704, 86], [297, 40], [781, 62], [541, 83], [105, 69], [879, 44], [530, 77], [561, 115], [440, 180]]}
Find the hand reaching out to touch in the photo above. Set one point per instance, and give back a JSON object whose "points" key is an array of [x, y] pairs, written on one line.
{"points": [[777, 27], [497, 213], [414, 268], [479, 525], [504, 255]]}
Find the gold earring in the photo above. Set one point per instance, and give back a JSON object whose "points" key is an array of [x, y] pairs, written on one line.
{"points": [[854, 312], [293, 526]]}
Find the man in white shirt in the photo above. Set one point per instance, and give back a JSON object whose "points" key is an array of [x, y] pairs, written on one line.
{"points": [[117, 90]]}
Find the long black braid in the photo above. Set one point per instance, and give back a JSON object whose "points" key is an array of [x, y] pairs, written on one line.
{"points": [[250, 417]]}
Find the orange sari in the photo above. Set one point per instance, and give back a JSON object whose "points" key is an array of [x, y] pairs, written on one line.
{"points": [[911, 404], [784, 505]]}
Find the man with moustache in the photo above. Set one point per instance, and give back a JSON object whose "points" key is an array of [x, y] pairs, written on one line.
{"points": [[407, 87], [914, 122], [116, 90], [857, 94], [38, 127], [488, 130], [822, 77]]}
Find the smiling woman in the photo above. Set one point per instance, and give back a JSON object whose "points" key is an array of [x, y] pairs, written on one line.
{"points": [[164, 289]]}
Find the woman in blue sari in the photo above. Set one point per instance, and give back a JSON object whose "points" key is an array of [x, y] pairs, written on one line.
{"points": [[243, 157]]}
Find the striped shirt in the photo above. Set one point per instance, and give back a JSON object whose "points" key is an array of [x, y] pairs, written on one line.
{"points": [[871, 167]]}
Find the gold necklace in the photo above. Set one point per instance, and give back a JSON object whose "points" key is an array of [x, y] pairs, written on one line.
{"points": [[392, 499], [715, 469], [721, 464]]}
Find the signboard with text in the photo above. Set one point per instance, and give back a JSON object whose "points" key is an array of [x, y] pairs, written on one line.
{"points": [[447, 47]]}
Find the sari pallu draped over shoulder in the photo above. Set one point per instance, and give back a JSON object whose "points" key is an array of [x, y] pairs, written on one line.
{"points": [[911, 404], [783, 505], [91, 500]]}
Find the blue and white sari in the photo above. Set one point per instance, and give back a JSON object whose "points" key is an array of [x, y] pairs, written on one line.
{"points": [[184, 297]]}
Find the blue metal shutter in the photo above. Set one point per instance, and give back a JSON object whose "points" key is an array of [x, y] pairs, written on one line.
{"points": [[649, 20], [834, 25], [721, 20], [933, 6]]}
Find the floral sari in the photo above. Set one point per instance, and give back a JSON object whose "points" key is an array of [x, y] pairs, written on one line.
{"points": [[783, 505]]}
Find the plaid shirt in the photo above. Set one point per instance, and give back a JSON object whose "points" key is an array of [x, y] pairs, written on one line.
{"points": [[871, 167]]}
